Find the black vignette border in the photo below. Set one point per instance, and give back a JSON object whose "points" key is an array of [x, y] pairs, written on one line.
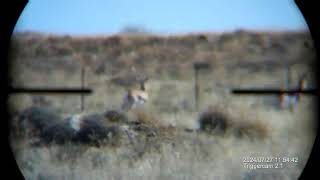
{"points": [[311, 14], [10, 11]]}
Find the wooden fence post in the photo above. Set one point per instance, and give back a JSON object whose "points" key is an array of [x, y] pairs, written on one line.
{"points": [[81, 58], [197, 66], [288, 77], [288, 85], [82, 87]]}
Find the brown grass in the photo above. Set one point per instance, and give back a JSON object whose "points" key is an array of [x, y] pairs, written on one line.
{"points": [[147, 118], [239, 60]]}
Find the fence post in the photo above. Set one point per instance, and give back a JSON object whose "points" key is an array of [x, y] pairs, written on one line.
{"points": [[288, 77], [288, 86], [82, 87], [197, 66], [81, 58], [196, 88]]}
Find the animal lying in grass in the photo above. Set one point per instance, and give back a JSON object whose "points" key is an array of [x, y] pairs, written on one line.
{"points": [[44, 126], [92, 129]]}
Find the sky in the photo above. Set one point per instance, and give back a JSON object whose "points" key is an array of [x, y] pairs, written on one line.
{"points": [[85, 17]]}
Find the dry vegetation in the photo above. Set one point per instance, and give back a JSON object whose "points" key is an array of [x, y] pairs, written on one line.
{"points": [[169, 138]]}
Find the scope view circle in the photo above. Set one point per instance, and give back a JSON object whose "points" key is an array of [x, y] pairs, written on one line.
{"points": [[162, 90]]}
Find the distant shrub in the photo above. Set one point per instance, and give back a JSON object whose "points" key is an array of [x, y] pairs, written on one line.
{"points": [[213, 121], [133, 29], [33, 120], [217, 120]]}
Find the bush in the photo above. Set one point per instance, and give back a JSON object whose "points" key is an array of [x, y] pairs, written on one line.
{"points": [[241, 124], [213, 121], [33, 120]]}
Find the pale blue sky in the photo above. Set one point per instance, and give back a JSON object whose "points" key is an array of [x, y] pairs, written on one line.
{"points": [[84, 17]]}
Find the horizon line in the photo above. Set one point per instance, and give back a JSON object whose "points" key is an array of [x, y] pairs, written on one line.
{"points": [[150, 32]]}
